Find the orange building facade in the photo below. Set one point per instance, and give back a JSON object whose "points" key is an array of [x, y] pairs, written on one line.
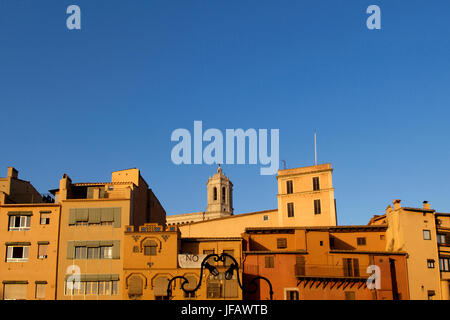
{"points": [[323, 263]]}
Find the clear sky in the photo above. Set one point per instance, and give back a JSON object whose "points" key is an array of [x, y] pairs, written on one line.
{"points": [[107, 97]]}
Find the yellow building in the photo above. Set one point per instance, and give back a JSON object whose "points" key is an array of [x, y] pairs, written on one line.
{"points": [[305, 198], [93, 220], [155, 254], [425, 236], [28, 241]]}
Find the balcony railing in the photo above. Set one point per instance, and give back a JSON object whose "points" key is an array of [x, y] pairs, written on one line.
{"points": [[330, 271]]}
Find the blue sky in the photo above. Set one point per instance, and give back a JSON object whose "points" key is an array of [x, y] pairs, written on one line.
{"points": [[107, 97]]}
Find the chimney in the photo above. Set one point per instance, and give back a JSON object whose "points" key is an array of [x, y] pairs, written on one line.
{"points": [[426, 205], [64, 187], [12, 173], [397, 204]]}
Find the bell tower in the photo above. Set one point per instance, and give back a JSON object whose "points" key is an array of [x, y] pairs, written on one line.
{"points": [[220, 196]]}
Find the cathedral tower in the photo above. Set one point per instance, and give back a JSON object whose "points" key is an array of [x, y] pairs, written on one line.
{"points": [[220, 196]]}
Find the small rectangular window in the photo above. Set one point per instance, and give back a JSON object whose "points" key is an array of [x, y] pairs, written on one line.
{"points": [[317, 209], [269, 261], [40, 290], [265, 218], [42, 251], [45, 218], [290, 207], [349, 295], [361, 241], [426, 235], [430, 263], [316, 186], [281, 243], [17, 253], [289, 186]]}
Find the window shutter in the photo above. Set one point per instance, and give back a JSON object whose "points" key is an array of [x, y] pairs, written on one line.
{"points": [[40, 290], [94, 215], [70, 250], [107, 215], [116, 249], [11, 221], [355, 267], [160, 288], [135, 286], [230, 289], [15, 291], [117, 217], [72, 216], [281, 243], [83, 215]]}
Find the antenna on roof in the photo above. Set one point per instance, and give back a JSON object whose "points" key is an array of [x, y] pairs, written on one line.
{"points": [[284, 164], [315, 148]]}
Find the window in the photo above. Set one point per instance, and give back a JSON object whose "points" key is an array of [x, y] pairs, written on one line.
{"points": [[13, 291], [426, 235], [150, 248], [361, 241], [430, 263], [269, 261], [265, 218], [316, 185], [321, 243], [317, 209], [17, 254], [215, 193], [19, 222], [351, 267], [441, 238], [93, 253], [281, 243], [444, 264], [228, 261], [431, 294], [45, 218], [289, 186], [101, 288], [42, 251], [223, 194], [349, 295], [292, 294], [40, 291], [290, 207], [106, 252], [80, 253], [213, 289]]}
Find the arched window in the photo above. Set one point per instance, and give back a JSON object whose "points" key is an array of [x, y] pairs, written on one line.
{"points": [[135, 285], [223, 195], [160, 288], [215, 193], [150, 248]]}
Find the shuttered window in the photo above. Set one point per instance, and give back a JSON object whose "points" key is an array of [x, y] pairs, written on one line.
{"points": [[40, 290], [42, 251], [150, 247], [135, 286], [160, 287], [95, 216], [269, 261], [14, 291], [281, 243], [230, 289], [45, 218], [213, 290]]}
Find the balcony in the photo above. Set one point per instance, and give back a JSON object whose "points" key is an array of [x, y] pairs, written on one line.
{"points": [[331, 271]]}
